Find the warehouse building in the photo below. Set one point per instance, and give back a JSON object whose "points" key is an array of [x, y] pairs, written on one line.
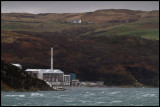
{"points": [[51, 76]]}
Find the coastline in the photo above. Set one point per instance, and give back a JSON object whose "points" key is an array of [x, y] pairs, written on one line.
{"points": [[106, 86], [66, 88]]}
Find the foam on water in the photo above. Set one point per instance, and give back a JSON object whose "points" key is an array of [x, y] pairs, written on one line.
{"points": [[15, 95], [116, 101], [91, 94], [84, 101], [84, 96], [36, 94], [116, 92], [68, 100], [149, 95], [100, 102], [62, 95]]}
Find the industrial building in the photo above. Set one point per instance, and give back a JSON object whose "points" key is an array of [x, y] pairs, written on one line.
{"points": [[66, 79], [72, 76], [51, 76]]}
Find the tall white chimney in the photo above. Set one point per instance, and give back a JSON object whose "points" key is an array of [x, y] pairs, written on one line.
{"points": [[51, 57]]}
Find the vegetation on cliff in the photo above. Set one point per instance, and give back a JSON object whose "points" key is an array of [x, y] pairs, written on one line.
{"points": [[15, 79]]}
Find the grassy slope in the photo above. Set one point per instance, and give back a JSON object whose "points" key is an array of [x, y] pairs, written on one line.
{"points": [[146, 28], [39, 27]]}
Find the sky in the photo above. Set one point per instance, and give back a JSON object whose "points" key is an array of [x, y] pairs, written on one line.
{"points": [[36, 7]]}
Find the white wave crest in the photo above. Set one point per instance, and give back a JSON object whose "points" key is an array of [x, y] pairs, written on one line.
{"points": [[15, 95], [116, 101], [116, 92], [149, 95], [100, 102], [36, 94]]}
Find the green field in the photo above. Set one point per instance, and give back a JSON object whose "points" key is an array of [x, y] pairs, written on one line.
{"points": [[146, 28], [131, 29]]}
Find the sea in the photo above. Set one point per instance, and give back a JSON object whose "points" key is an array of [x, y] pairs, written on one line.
{"points": [[84, 96]]}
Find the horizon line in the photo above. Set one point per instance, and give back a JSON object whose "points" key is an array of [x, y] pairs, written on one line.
{"points": [[79, 12]]}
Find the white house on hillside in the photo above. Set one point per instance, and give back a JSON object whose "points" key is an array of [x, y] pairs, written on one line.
{"points": [[76, 21]]}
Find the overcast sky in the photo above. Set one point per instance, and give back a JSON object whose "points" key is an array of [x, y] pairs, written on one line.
{"points": [[74, 6]]}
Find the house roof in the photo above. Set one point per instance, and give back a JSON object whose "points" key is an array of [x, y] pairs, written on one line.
{"points": [[76, 19], [45, 70]]}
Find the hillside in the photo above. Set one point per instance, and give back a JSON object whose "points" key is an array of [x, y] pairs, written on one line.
{"points": [[15, 79], [121, 47], [104, 22], [115, 60], [112, 15], [145, 28]]}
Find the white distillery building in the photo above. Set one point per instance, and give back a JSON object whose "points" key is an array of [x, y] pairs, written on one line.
{"points": [[51, 76]]}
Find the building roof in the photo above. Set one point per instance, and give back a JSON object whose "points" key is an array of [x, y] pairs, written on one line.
{"points": [[76, 19], [17, 64], [46, 70], [32, 70], [66, 75], [52, 71]]}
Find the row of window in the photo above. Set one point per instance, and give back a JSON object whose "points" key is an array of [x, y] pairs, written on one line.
{"points": [[52, 74]]}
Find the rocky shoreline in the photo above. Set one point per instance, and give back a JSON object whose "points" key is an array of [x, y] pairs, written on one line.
{"points": [[15, 79]]}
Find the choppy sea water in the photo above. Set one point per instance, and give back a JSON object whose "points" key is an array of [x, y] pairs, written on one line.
{"points": [[84, 97]]}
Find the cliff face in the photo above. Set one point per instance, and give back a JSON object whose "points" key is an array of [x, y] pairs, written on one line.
{"points": [[15, 79]]}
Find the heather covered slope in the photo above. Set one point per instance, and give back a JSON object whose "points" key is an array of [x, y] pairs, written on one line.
{"points": [[121, 60]]}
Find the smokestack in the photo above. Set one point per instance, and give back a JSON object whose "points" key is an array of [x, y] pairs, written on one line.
{"points": [[51, 57]]}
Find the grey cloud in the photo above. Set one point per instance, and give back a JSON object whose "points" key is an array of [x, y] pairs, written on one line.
{"points": [[75, 6]]}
